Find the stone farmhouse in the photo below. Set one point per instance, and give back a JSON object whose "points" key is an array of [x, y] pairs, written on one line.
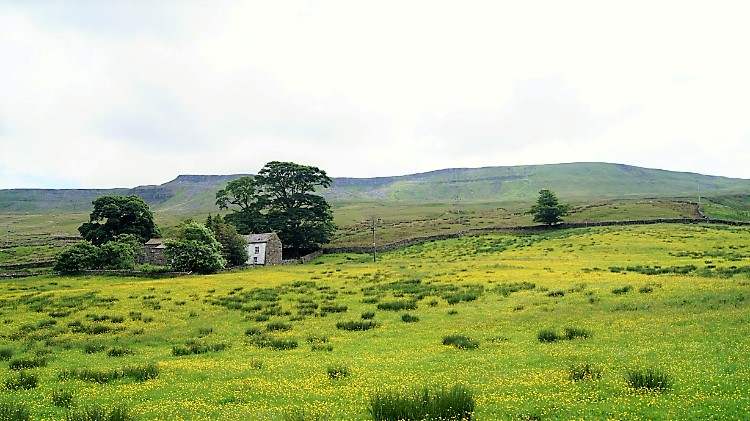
{"points": [[263, 249], [153, 252]]}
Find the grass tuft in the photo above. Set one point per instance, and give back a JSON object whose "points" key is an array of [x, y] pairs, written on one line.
{"points": [[23, 381], [460, 342], [14, 411], [585, 371], [648, 379], [356, 325], [456, 403]]}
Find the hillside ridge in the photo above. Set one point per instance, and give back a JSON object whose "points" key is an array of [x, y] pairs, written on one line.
{"points": [[571, 181]]}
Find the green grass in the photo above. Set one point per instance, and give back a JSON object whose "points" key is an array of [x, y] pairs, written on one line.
{"points": [[692, 325]]}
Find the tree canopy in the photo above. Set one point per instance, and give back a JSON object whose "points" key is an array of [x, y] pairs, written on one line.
{"points": [[196, 250], [547, 209], [233, 246], [116, 215], [280, 198]]}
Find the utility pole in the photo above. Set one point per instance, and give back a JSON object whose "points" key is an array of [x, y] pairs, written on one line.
{"points": [[374, 247]]}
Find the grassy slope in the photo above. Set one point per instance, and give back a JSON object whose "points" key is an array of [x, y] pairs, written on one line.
{"points": [[572, 182], [696, 328]]}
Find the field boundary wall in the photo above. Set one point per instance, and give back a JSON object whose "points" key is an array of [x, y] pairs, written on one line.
{"points": [[526, 228]]}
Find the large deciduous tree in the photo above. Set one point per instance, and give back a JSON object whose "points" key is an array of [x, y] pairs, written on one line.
{"points": [[117, 215], [547, 209], [280, 198], [243, 193], [302, 219]]}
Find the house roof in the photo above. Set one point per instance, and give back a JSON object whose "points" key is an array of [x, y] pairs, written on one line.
{"points": [[260, 238], [155, 241]]}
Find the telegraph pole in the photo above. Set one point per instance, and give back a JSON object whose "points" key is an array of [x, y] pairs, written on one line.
{"points": [[374, 247]]}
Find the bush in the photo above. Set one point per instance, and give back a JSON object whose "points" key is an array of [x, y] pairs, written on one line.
{"points": [[585, 371], [62, 398], [12, 411], [648, 379], [100, 413], [23, 381], [456, 403], [408, 318], [460, 342], [78, 257], [547, 335], [357, 325]]}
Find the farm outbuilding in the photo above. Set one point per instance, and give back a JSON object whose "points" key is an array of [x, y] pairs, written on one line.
{"points": [[153, 252], [263, 249]]}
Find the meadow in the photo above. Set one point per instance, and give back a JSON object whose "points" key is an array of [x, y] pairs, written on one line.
{"points": [[540, 326]]}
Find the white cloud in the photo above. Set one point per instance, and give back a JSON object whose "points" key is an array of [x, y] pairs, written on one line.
{"points": [[121, 93]]}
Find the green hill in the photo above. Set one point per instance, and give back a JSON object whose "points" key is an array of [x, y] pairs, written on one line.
{"points": [[571, 182]]}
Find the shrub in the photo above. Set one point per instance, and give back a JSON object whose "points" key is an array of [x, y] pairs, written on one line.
{"points": [[5, 354], [456, 403], [398, 305], [574, 332], [408, 318], [100, 413], [368, 315], [460, 342], [585, 371], [13, 411], [62, 398], [338, 372], [356, 325], [547, 335], [23, 381], [648, 379]]}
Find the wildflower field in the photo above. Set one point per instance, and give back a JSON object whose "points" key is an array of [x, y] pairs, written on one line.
{"points": [[629, 323]]}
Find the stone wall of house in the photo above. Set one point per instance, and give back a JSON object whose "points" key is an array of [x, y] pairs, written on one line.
{"points": [[273, 251]]}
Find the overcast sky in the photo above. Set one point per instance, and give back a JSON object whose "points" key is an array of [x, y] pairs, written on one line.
{"points": [[99, 94]]}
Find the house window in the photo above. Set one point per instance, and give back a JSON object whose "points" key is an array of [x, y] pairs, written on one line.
{"points": [[255, 259], [257, 250]]}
